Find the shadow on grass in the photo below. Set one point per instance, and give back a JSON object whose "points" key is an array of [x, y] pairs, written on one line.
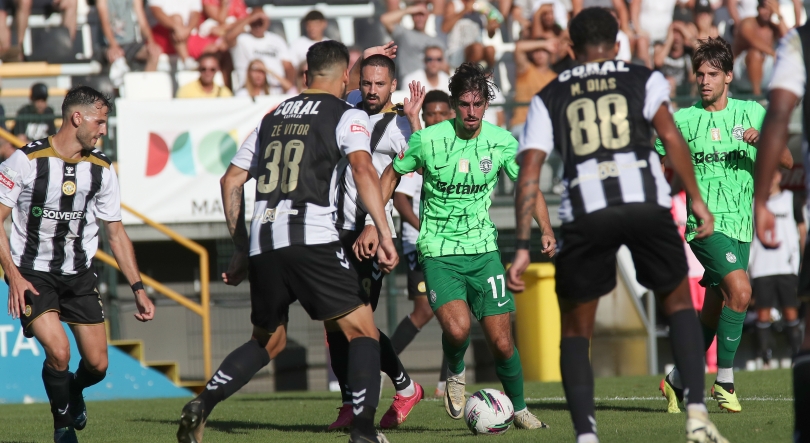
{"points": [[558, 406], [242, 427], [288, 398]]}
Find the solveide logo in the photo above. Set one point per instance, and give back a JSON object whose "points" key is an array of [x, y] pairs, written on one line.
{"points": [[715, 157], [37, 211], [211, 153]]}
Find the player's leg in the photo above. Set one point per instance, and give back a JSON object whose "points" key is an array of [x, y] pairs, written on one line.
{"points": [[789, 302], [575, 365], [338, 346], [492, 304], [269, 302], [736, 290], [447, 295], [801, 386], [765, 293]]}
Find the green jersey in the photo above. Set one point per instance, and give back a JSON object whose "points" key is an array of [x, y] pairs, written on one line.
{"points": [[459, 176], [724, 163]]}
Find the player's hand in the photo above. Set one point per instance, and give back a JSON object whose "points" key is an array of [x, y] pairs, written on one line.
{"points": [[237, 269], [146, 309], [751, 136], [389, 50], [704, 217], [114, 52], [514, 280], [366, 244], [549, 243], [16, 295], [387, 256], [413, 106], [765, 224]]}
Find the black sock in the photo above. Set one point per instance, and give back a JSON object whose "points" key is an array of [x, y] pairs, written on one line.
{"points": [[577, 376], [339, 357], [57, 386], [764, 340], [364, 382], [391, 365], [83, 378], [235, 371], [687, 349], [404, 334], [794, 333], [801, 396], [444, 370]]}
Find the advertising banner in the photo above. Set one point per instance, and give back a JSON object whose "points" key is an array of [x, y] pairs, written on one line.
{"points": [[171, 154]]}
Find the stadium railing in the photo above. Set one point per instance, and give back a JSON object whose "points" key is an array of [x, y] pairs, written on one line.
{"points": [[202, 308]]}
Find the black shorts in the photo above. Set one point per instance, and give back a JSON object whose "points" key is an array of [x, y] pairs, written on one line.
{"points": [[321, 277], [75, 297], [369, 276], [776, 291], [586, 264], [416, 278]]}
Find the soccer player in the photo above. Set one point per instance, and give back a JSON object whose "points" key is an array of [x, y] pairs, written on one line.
{"points": [[721, 133], [600, 115], [787, 88], [435, 109], [57, 190], [389, 138], [293, 251], [461, 160], [775, 271]]}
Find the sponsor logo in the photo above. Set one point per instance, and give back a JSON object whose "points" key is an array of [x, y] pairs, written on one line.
{"points": [[464, 165], [421, 287], [27, 311], [737, 132], [344, 261], [432, 296], [485, 165], [6, 181], [270, 215], [401, 155], [36, 211], [714, 157], [70, 171], [607, 170], [503, 303], [459, 188], [731, 257], [589, 69], [297, 108], [732, 339], [360, 129], [212, 153], [715, 134], [68, 188]]}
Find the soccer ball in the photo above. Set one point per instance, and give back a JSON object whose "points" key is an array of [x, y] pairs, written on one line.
{"points": [[489, 411]]}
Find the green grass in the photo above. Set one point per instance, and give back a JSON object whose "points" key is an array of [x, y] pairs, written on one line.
{"points": [[628, 410]]}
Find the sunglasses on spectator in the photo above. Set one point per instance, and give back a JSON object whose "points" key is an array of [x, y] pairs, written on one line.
{"points": [[431, 59], [204, 69]]}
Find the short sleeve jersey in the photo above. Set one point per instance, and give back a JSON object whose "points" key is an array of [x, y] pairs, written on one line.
{"points": [[724, 163], [459, 176]]}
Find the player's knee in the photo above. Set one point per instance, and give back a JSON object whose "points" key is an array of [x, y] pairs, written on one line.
{"points": [[456, 334], [98, 367], [503, 348], [740, 299], [59, 358]]}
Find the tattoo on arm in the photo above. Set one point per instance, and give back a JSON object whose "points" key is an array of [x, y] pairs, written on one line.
{"points": [[235, 217], [524, 206]]}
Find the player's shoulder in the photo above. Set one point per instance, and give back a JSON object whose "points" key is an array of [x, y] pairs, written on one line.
{"points": [[445, 129], [496, 133], [36, 146], [688, 112], [97, 157], [747, 105]]}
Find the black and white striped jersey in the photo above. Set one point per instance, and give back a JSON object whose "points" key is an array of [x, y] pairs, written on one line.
{"points": [[295, 155], [389, 136], [598, 115], [56, 204]]}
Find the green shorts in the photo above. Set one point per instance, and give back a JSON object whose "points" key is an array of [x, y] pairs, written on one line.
{"points": [[720, 255], [478, 280]]}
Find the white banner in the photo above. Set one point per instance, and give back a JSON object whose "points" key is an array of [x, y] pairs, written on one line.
{"points": [[171, 154]]}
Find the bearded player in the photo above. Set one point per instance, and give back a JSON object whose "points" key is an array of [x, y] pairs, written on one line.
{"points": [[461, 160], [721, 133]]}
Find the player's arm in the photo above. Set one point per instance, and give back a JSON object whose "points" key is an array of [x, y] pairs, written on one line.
{"points": [[541, 216], [678, 155], [389, 50], [368, 187], [17, 284], [404, 206], [124, 253], [232, 186]]}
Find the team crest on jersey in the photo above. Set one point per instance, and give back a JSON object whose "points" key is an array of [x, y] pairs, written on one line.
{"points": [[738, 132], [715, 134], [485, 165], [421, 286], [464, 165], [731, 257], [27, 311], [68, 188], [432, 296]]}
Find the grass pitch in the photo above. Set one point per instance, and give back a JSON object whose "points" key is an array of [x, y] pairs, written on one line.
{"points": [[629, 410]]}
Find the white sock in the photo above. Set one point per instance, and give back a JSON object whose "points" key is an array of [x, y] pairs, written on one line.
{"points": [[697, 407], [407, 392], [518, 412], [675, 379], [441, 385], [587, 438], [725, 375], [452, 374]]}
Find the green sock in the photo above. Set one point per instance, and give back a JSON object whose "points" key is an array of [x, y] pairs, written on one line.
{"points": [[708, 336], [510, 373], [454, 355], [729, 332]]}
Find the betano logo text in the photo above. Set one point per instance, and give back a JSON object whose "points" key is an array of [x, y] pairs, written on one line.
{"points": [[213, 153]]}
